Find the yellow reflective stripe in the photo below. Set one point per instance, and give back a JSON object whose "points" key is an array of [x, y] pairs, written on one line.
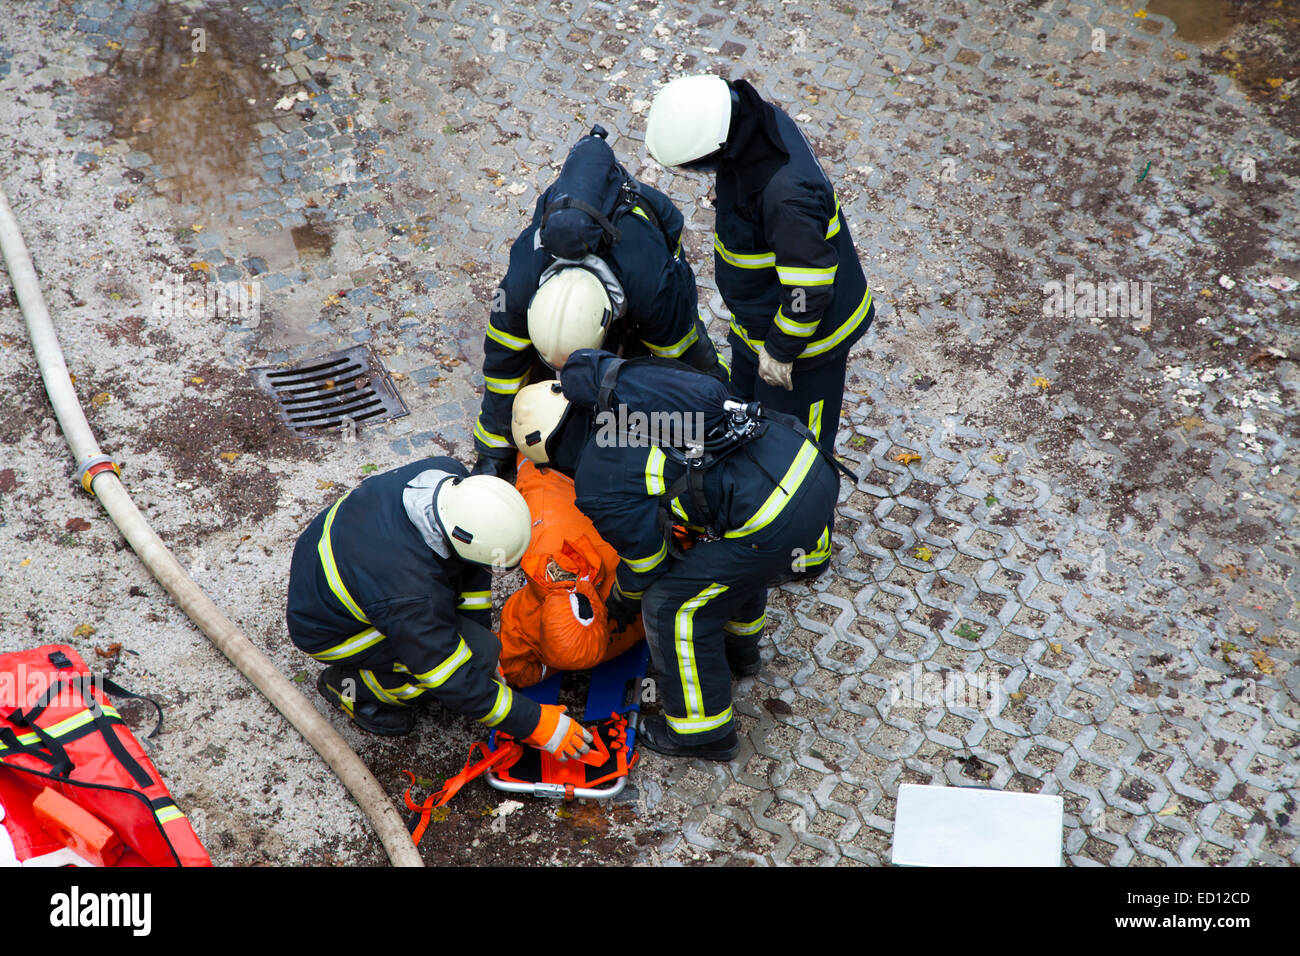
{"points": [[698, 725], [833, 230], [326, 551], [790, 327], [677, 349], [442, 673], [368, 678], [686, 666], [487, 437], [65, 726], [823, 549], [821, 346], [744, 260], [505, 386], [502, 706], [475, 601], [633, 595], [640, 212], [791, 275], [513, 342], [777, 500], [169, 813], [815, 418], [654, 472], [642, 565], [353, 645], [746, 628], [679, 510]]}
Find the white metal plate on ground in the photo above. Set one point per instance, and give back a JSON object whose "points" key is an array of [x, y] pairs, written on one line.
{"points": [[968, 826]]}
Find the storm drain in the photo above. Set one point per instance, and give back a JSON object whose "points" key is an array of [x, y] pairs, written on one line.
{"points": [[340, 390]]}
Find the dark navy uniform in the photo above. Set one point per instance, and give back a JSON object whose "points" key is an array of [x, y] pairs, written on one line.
{"points": [[662, 310], [367, 593], [771, 502], [786, 266]]}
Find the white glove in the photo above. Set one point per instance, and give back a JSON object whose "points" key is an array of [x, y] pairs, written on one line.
{"points": [[774, 373]]}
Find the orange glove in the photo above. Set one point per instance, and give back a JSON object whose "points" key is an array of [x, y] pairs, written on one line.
{"points": [[558, 734]]}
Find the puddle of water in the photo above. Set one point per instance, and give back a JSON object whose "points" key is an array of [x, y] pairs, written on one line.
{"points": [[1197, 21], [194, 112]]}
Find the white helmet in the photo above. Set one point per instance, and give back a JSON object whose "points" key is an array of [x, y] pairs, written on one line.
{"points": [[689, 119], [535, 419], [570, 311], [485, 519]]}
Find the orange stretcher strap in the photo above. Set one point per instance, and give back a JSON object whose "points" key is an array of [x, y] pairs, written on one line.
{"points": [[508, 752]]}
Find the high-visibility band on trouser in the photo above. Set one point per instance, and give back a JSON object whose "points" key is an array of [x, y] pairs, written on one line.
{"points": [[815, 418], [399, 696], [490, 439], [356, 644], [746, 628], [823, 549], [699, 725], [687, 670], [442, 673]]}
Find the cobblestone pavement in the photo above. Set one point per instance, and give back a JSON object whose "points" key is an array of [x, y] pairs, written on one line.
{"points": [[1070, 564]]}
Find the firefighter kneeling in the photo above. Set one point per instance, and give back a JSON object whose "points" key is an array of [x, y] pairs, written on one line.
{"points": [[391, 589], [757, 496]]}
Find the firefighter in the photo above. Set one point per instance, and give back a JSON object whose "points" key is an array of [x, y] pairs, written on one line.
{"points": [[391, 589], [757, 503], [599, 265], [784, 261]]}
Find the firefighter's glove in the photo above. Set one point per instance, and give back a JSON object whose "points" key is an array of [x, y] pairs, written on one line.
{"points": [[557, 734], [620, 610], [776, 374], [503, 467]]}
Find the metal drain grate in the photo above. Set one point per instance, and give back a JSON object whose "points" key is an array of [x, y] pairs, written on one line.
{"points": [[330, 391]]}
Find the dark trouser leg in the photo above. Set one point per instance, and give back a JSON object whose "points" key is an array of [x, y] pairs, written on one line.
{"points": [[817, 399], [743, 632]]}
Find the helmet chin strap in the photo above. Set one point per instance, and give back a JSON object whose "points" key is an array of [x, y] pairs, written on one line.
{"points": [[597, 267]]}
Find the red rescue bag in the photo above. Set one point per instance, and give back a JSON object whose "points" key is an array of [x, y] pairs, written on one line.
{"points": [[59, 731]]}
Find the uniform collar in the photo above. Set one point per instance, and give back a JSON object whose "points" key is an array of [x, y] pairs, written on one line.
{"points": [[754, 151]]}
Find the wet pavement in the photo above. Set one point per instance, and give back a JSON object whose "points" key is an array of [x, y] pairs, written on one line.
{"points": [[1070, 564]]}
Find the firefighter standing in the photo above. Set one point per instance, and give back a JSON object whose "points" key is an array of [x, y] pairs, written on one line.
{"points": [[784, 261], [600, 264], [756, 510], [391, 589]]}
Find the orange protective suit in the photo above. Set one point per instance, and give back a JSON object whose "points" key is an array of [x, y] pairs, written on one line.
{"points": [[554, 622]]}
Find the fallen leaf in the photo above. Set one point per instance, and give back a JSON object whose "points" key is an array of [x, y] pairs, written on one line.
{"points": [[1016, 695], [1141, 14], [1040, 382], [111, 651], [196, 380], [1268, 639], [1262, 662], [83, 630], [777, 707], [439, 814], [905, 457], [998, 457], [1208, 293], [300, 677], [1056, 648], [924, 553], [1233, 571], [230, 455], [322, 485], [1189, 423], [200, 267], [77, 524], [1170, 810], [24, 562], [102, 399], [1274, 81], [113, 45], [990, 500], [1180, 55], [367, 469]]}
